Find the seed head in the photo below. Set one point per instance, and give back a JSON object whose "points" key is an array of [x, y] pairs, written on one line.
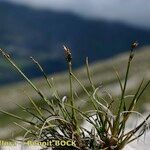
{"points": [[134, 45], [67, 54]]}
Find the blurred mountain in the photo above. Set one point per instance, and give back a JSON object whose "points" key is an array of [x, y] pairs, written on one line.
{"points": [[28, 32]]}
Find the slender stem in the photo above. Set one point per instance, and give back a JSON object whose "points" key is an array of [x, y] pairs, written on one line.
{"points": [[51, 85], [71, 92], [92, 100], [26, 78], [17, 117], [126, 79], [88, 74], [116, 123]]}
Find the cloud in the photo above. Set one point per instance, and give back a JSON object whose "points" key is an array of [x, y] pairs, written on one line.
{"points": [[135, 12]]}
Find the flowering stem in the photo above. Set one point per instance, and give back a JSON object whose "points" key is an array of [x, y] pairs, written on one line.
{"points": [[71, 88], [122, 102]]}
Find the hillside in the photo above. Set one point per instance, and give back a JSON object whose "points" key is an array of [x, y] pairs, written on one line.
{"points": [[102, 72], [41, 33]]}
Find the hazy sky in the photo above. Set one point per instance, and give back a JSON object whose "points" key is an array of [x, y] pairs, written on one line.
{"points": [[136, 12]]}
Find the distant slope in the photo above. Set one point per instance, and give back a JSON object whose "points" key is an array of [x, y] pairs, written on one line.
{"points": [[25, 32]]}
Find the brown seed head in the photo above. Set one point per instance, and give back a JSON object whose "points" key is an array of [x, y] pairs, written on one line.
{"points": [[67, 54], [134, 44]]}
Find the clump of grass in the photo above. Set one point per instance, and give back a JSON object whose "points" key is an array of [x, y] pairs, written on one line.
{"points": [[60, 119]]}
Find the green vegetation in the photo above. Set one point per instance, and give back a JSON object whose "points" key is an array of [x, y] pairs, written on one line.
{"points": [[58, 117]]}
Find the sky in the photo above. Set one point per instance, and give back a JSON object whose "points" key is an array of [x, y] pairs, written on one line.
{"points": [[135, 12]]}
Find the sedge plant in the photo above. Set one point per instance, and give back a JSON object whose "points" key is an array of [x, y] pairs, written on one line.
{"points": [[59, 119]]}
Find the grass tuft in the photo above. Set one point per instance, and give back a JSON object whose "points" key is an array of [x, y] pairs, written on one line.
{"points": [[59, 119]]}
